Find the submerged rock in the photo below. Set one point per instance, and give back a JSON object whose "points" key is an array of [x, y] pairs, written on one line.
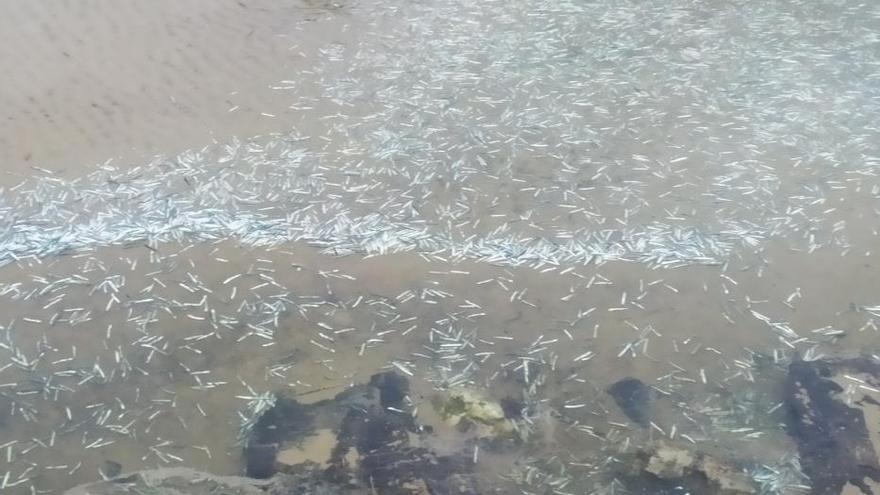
{"points": [[633, 398], [184, 481], [467, 404], [181, 481], [661, 469], [833, 437], [359, 440], [110, 469], [479, 417]]}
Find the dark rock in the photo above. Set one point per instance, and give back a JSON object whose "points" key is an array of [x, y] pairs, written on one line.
{"points": [[393, 389], [512, 408], [260, 460], [288, 420], [111, 469], [833, 440], [372, 448], [634, 398]]}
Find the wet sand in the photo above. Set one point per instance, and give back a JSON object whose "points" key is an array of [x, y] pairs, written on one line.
{"points": [[88, 82]]}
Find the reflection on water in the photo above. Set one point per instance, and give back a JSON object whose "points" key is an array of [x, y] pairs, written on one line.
{"points": [[610, 247]]}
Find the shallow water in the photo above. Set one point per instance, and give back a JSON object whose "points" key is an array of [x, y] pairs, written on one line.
{"points": [[500, 195]]}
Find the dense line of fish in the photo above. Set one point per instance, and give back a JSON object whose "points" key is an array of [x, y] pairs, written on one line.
{"points": [[464, 151], [524, 133]]}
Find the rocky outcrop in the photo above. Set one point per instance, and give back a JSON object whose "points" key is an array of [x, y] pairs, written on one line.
{"points": [[362, 439], [833, 435], [176, 481]]}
